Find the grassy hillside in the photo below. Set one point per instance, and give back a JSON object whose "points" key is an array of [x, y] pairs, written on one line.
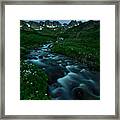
{"points": [[82, 43], [32, 39]]}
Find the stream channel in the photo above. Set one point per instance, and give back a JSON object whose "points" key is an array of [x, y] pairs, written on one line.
{"points": [[67, 78]]}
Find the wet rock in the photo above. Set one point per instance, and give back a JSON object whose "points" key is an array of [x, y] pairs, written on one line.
{"points": [[32, 57], [40, 57], [78, 93], [50, 62], [54, 73], [60, 94], [83, 93]]}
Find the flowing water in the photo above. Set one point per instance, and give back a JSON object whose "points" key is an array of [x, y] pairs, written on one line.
{"points": [[68, 79]]}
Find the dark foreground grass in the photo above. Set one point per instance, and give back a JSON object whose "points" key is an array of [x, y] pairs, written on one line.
{"points": [[33, 83]]}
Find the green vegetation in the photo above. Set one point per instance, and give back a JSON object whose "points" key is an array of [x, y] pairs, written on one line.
{"points": [[33, 83], [30, 40], [81, 42]]}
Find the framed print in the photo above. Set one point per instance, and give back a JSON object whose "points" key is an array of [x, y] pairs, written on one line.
{"points": [[60, 60]]}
